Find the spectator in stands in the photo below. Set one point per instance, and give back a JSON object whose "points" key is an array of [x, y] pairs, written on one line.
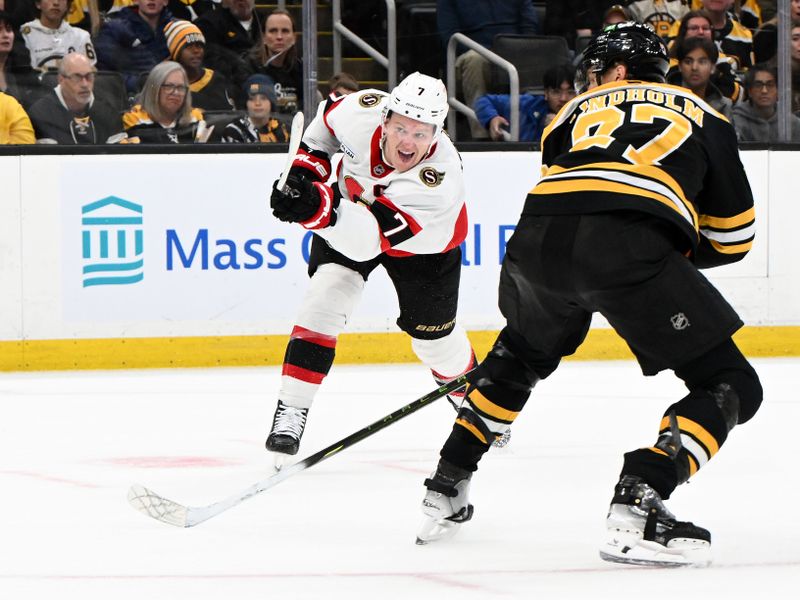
{"points": [[616, 14], [697, 23], [15, 126], [187, 47], [17, 78], [747, 12], [481, 22], [756, 120], [231, 32], [768, 9], [165, 114], [574, 19], [259, 125], [50, 37], [277, 58], [341, 84], [659, 14], [697, 58], [733, 39], [795, 59], [235, 26], [19, 11], [70, 113], [535, 111], [765, 40], [190, 10], [132, 41]]}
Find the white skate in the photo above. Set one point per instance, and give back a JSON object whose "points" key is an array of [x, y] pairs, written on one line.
{"points": [[446, 504], [641, 531]]}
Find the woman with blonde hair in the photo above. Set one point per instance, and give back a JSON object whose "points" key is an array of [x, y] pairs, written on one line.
{"points": [[164, 114]]}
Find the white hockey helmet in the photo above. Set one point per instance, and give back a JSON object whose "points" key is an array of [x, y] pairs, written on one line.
{"points": [[422, 98]]}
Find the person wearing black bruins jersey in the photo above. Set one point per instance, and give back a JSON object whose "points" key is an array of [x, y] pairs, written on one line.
{"points": [[642, 186]]}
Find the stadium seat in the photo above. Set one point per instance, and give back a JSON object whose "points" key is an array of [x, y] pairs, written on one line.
{"points": [[532, 55]]}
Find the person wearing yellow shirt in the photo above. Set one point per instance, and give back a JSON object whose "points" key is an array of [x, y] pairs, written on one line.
{"points": [[15, 126]]}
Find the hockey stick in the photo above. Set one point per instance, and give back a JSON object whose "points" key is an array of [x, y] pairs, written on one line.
{"points": [[153, 505], [294, 143]]}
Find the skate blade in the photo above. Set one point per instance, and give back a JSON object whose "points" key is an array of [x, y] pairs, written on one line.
{"points": [[680, 553], [433, 530], [503, 440], [280, 460]]}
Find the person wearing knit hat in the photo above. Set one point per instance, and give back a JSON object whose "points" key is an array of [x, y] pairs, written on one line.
{"points": [[259, 125], [180, 34], [187, 46]]}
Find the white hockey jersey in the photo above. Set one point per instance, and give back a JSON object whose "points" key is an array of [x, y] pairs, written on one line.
{"points": [[420, 211], [48, 46]]}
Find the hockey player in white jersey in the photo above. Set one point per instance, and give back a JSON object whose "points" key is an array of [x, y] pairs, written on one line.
{"points": [[397, 201], [49, 38]]}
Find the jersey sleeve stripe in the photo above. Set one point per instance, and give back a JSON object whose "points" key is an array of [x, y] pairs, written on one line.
{"points": [[735, 249], [743, 218], [734, 236]]}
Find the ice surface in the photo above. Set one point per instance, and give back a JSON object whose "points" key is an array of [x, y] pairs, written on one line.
{"points": [[72, 443]]}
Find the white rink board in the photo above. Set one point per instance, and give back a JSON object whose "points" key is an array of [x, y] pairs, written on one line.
{"points": [[248, 272], [10, 267]]}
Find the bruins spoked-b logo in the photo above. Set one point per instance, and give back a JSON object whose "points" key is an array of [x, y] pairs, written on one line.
{"points": [[679, 321], [369, 100], [431, 177]]}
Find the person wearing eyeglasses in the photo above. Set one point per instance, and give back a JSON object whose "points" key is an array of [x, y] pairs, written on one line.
{"points": [[756, 120], [164, 114], [697, 24], [732, 38], [70, 113], [49, 38]]}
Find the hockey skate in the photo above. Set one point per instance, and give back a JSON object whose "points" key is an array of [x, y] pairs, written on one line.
{"points": [[287, 429], [641, 531], [445, 505]]}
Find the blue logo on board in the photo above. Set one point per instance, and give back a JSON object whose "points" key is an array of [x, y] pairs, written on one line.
{"points": [[112, 242]]}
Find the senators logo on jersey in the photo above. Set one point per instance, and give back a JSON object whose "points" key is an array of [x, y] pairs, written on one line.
{"points": [[369, 100], [431, 177]]}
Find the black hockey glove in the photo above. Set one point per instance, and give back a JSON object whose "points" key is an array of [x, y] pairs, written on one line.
{"points": [[312, 204]]}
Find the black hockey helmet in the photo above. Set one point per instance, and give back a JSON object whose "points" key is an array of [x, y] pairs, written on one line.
{"points": [[634, 44]]}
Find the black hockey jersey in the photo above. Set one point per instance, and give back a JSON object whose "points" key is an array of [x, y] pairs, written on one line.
{"points": [[654, 148]]}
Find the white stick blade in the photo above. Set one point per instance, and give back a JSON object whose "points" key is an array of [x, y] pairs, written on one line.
{"points": [[295, 137], [157, 507]]}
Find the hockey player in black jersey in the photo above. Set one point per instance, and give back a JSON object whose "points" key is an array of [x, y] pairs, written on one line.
{"points": [[642, 186]]}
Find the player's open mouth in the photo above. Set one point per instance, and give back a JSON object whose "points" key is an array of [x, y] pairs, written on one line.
{"points": [[405, 156]]}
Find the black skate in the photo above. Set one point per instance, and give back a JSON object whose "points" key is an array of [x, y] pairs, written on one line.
{"points": [[641, 531], [446, 504], [287, 429]]}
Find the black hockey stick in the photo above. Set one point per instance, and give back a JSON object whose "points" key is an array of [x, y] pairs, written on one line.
{"points": [[162, 509]]}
